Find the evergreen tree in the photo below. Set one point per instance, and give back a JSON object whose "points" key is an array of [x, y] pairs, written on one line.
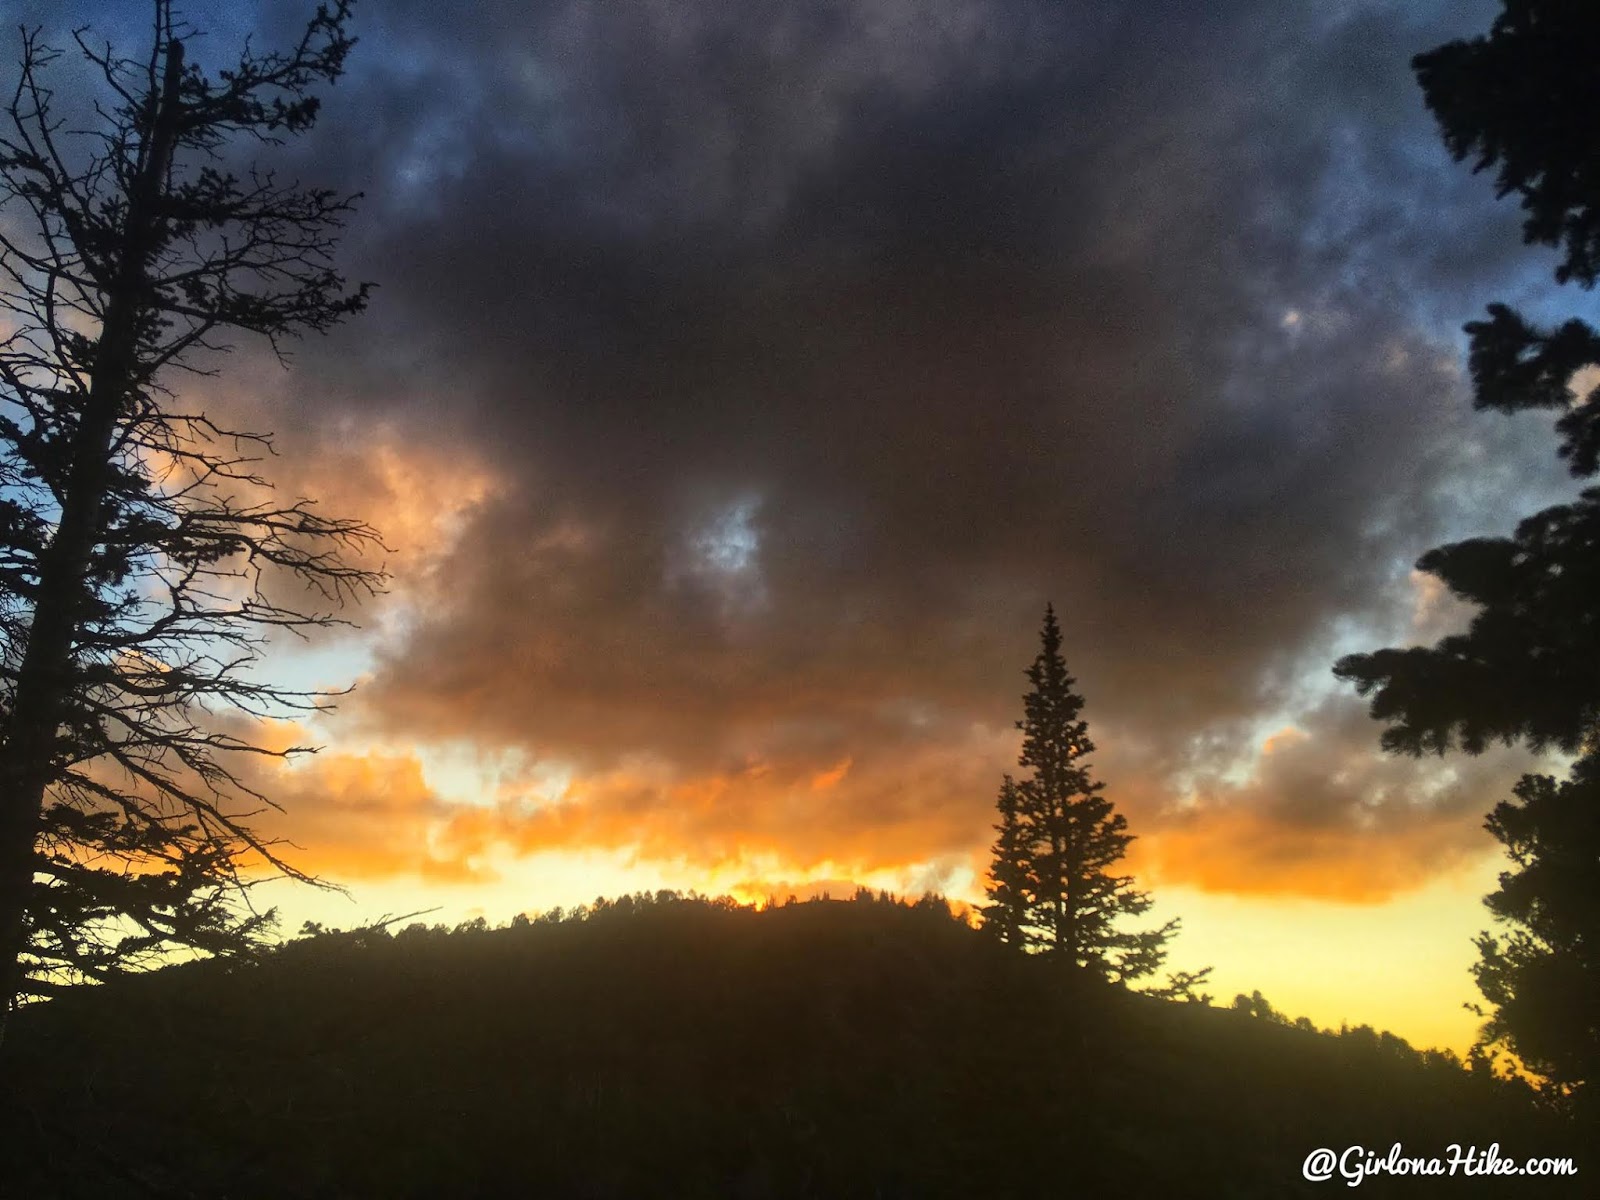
{"points": [[1010, 884], [1060, 837], [1541, 977], [1520, 101]]}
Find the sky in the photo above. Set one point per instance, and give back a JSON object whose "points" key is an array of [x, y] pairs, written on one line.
{"points": [[742, 381]]}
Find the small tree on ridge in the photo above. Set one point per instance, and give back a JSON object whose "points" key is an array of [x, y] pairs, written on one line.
{"points": [[1052, 887]]}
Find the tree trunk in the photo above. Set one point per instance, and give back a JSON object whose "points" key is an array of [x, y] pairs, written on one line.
{"points": [[44, 678]]}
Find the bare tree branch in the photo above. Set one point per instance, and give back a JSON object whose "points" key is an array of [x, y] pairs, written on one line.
{"points": [[142, 556]]}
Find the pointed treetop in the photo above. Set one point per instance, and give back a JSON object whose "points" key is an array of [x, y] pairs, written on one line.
{"points": [[1052, 683], [1049, 644]]}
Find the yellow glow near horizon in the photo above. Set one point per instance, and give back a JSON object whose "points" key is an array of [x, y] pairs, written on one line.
{"points": [[1401, 965]]}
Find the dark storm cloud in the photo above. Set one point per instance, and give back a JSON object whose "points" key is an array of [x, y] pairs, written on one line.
{"points": [[815, 345], [972, 303]]}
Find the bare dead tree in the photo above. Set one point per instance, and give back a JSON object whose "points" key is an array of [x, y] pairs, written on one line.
{"points": [[138, 543]]}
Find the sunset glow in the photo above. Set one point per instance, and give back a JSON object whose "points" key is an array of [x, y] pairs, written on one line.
{"points": [[741, 384]]}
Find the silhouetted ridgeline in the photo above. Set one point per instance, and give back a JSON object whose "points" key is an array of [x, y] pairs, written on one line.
{"points": [[674, 1046]]}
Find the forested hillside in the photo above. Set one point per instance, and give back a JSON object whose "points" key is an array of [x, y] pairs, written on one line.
{"points": [[671, 1046]]}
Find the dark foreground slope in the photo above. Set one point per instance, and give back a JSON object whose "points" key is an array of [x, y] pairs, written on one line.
{"points": [[692, 1049]]}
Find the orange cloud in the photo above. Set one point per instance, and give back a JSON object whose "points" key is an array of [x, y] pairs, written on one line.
{"points": [[418, 492], [419, 496], [361, 816], [1318, 814], [877, 810], [338, 816], [1286, 738], [1244, 852], [824, 780]]}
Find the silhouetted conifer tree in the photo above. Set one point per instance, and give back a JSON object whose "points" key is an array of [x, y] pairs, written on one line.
{"points": [[1540, 977], [1052, 886], [1010, 881], [1521, 101]]}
